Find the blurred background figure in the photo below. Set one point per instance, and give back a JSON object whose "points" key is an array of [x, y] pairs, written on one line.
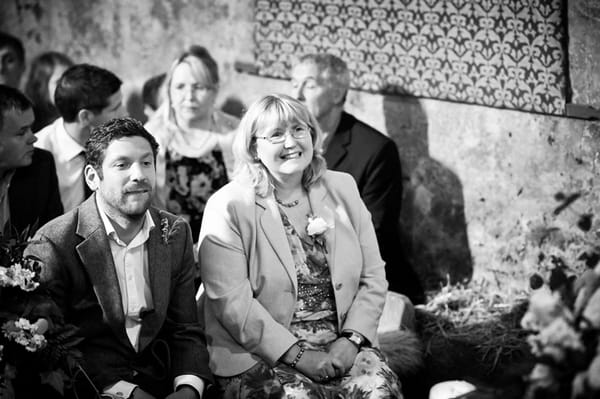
{"points": [[28, 184], [321, 82], [153, 94], [44, 72], [86, 96], [12, 60], [195, 138]]}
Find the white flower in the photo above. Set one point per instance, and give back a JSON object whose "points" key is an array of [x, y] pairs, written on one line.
{"points": [[5, 280], [23, 324], [36, 342], [25, 334], [544, 307], [316, 226], [18, 276]]}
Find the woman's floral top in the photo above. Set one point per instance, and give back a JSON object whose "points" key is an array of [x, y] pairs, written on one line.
{"points": [[315, 318], [191, 181]]}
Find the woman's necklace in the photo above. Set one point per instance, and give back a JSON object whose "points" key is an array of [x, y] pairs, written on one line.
{"points": [[290, 204]]}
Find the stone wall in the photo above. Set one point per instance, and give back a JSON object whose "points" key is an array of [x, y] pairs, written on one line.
{"points": [[479, 182]]}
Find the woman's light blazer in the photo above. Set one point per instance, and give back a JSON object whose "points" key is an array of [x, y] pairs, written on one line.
{"points": [[250, 279]]}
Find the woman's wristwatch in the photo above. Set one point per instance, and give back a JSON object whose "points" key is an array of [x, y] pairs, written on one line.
{"points": [[357, 339]]}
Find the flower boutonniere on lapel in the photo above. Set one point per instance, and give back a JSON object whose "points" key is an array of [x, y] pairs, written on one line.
{"points": [[169, 229], [316, 228]]}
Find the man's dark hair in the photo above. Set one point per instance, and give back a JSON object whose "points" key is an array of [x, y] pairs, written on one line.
{"points": [[84, 86], [151, 89], [13, 42], [115, 129], [11, 98]]}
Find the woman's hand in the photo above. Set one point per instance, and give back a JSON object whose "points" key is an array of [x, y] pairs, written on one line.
{"points": [[316, 365], [342, 352]]}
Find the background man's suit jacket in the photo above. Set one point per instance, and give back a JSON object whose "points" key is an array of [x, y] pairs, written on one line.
{"points": [[81, 278], [373, 160], [33, 194]]}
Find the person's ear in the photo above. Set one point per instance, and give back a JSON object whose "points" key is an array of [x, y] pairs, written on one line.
{"points": [[338, 95], [85, 117], [92, 177], [148, 111]]}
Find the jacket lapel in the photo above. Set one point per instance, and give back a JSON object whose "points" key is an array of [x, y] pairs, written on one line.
{"points": [[338, 146], [272, 226], [323, 206], [96, 258], [159, 273]]}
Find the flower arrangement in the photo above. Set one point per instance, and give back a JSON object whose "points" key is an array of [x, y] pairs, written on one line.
{"points": [[563, 319], [36, 347]]}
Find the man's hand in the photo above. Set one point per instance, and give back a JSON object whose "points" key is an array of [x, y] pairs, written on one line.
{"points": [[185, 392], [139, 393], [342, 352]]}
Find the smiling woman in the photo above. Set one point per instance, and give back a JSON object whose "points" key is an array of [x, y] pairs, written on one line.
{"points": [[294, 283]]}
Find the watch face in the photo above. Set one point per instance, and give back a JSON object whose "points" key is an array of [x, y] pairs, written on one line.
{"points": [[355, 339]]}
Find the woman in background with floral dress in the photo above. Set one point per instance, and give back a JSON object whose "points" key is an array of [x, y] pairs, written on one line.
{"points": [[194, 137], [294, 282]]}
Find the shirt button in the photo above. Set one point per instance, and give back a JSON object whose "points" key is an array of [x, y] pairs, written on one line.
{"points": [[338, 286]]}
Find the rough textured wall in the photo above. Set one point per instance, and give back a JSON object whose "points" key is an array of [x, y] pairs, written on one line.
{"points": [[584, 50], [479, 182], [134, 39]]}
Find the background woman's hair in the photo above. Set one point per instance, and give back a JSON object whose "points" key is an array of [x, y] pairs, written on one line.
{"points": [[204, 68], [36, 88]]}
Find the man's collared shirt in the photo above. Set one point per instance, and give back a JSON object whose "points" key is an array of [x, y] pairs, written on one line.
{"points": [[69, 160], [4, 200], [131, 264]]}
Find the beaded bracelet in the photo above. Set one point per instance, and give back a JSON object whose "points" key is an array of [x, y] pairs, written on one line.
{"points": [[298, 356]]}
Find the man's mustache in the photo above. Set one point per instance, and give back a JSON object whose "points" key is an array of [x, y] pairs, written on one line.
{"points": [[137, 188]]}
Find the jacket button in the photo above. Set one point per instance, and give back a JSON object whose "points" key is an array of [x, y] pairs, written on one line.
{"points": [[338, 286]]}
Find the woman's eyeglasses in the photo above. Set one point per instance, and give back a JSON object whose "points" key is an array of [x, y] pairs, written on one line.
{"points": [[278, 136]]}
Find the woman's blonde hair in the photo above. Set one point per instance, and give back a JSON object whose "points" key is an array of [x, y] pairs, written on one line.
{"points": [[204, 69], [284, 109]]}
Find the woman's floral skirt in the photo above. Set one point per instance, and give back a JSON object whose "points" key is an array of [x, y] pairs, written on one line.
{"points": [[370, 378]]}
